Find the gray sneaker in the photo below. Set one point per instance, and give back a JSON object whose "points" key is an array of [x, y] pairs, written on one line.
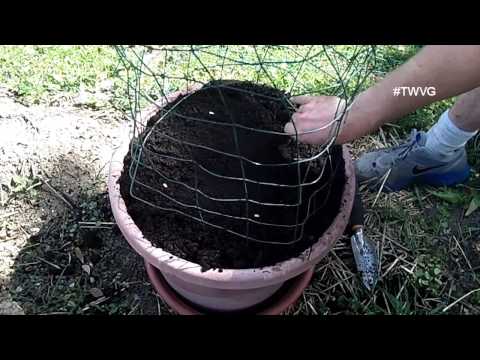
{"points": [[412, 163]]}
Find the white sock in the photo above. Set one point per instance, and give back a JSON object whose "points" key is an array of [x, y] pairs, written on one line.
{"points": [[444, 137]]}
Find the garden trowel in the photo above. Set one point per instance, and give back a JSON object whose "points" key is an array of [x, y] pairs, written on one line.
{"points": [[364, 250]]}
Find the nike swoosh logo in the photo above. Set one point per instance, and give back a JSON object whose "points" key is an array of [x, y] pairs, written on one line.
{"points": [[419, 170]]}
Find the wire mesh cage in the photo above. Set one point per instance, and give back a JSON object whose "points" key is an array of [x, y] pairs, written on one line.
{"points": [[211, 146]]}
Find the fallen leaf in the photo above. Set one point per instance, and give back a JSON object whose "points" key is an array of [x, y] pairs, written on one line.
{"points": [[86, 268], [452, 196], [474, 205], [79, 254], [96, 292]]}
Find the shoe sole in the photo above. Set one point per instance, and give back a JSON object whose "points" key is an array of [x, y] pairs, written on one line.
{"points": [[436, 180]]}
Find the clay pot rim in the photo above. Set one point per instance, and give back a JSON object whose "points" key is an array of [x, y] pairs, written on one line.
{"points": [[226, 278]]}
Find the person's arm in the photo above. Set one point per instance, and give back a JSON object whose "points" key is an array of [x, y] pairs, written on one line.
{"points": [[451, 70]]}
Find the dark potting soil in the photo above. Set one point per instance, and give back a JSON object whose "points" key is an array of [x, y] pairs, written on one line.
{"points": [[168, 169]]}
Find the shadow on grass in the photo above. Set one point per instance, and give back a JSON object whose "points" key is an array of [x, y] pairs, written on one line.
{"points": [[79, 263]]}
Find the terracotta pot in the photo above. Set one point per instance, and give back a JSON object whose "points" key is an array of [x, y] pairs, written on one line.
{"points": [[231, 289], [275, 305]]}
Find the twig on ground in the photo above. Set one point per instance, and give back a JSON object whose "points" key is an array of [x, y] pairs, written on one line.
{"points": [[402, 288], [159, 310], [326, 267], [62, 196], [28, 264], [386, 304], [27, 234], [61, 274], [4, 216], [380, 249], [463, 253], [409, 271], [134, 308], [30, 246], [384, 139], [56, 313], [335, 285], [96, 227], [29, 122], [33, 186], [96, 302], [390, 267], [311, 307], [460, 299], [49, 263], [95, 224], [398, 244], [97, 176], [381, 187]]}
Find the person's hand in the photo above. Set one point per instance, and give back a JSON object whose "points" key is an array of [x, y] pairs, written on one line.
{"points": [[315, 112]]}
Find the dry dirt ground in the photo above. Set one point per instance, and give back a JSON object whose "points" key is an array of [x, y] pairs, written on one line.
{"points": [[59, 250]]}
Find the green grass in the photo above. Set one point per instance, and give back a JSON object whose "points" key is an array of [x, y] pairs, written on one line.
{"points": [[40, 74], [296, 70], [43, 74]]}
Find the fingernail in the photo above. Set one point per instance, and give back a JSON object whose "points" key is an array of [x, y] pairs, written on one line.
{"points": [[288, 128]]}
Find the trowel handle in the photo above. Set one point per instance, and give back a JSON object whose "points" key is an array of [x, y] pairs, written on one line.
{"points": [[358, 211]]}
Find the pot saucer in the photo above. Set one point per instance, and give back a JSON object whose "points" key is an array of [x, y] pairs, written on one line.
{"points": [[286, 296]]}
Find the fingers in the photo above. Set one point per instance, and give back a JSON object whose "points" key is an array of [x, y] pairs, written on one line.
{"points": [[305, 108], [289, 128], [306, 139], [313, 119], [301, 100], [296, 125], [297, 117]]}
